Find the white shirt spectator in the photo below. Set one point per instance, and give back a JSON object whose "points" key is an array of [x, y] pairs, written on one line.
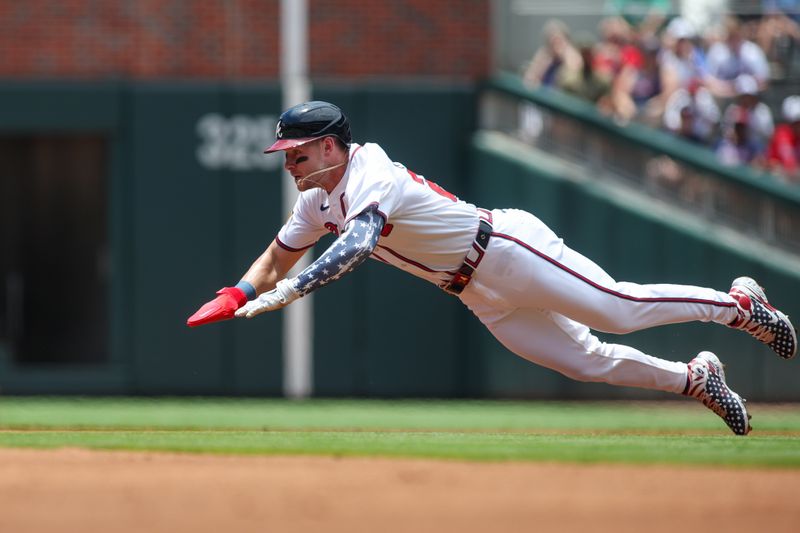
{"points": [[680, 59], [749, 109], [726, 63], [704, 109]]}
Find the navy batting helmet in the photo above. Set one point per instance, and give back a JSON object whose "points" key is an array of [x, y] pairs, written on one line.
{"points": [[308, 121]]}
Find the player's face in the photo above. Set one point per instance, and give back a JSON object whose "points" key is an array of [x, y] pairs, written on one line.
{"points": [[302, 161]]}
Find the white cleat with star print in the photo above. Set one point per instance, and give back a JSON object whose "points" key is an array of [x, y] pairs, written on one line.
{"points": [[761, 320], [706, 382]]}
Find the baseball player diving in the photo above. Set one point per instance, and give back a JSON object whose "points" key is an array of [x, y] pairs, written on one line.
{"points": [[537, 296]]}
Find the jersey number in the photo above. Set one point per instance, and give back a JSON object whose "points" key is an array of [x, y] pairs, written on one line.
{"points": [[433, 186]]}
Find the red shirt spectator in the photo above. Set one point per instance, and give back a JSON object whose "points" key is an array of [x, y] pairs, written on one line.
{"points": [[783, 153], [615, 49]]}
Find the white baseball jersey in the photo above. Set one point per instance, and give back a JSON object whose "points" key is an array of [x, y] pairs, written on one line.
{"points": [[426, 230]]}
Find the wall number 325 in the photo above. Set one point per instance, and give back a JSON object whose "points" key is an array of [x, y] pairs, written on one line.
{"points": [[236, 142]]}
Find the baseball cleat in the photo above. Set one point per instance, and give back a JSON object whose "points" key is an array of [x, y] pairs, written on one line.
{"points": [[761, 320], [706, 382]]}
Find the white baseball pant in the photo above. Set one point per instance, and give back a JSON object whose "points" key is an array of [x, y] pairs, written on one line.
{"points": [[540, 299]]}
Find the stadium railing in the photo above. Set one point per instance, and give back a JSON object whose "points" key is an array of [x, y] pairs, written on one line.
{"points": [[674, 170]]}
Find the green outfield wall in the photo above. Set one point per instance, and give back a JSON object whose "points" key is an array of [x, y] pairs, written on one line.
{"points": [[192, 202]]}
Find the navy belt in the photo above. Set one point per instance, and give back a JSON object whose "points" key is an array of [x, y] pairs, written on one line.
{"points": [[473, 258]]}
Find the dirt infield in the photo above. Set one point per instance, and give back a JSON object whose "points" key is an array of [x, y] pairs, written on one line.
{"points": [[92, 491]]}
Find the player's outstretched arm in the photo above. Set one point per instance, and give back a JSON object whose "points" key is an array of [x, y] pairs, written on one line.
{"points": [[351, 249], [262, 276]]}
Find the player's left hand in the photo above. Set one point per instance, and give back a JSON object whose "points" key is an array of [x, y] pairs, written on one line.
{"points": [[282, 295]]}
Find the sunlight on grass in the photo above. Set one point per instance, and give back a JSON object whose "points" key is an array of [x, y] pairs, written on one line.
{"points": [[680, 432]]}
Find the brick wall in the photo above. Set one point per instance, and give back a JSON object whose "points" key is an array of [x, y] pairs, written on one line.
{"points": [[238, 39], [408, 37]]}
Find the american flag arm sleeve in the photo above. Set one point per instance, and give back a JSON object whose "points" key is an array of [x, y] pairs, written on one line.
{"points": [[348, 251]]}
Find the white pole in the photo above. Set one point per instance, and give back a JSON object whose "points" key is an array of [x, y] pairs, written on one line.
{"points": [[298, 318]]}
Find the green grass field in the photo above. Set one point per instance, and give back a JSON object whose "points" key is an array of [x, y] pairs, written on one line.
{"points": [[681, 432]]}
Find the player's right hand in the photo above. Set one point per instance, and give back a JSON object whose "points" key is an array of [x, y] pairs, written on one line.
{"points": [[282, 295], [220, 308]]}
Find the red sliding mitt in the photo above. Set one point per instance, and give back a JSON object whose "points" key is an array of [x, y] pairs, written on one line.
{"points": [[220, 308]]}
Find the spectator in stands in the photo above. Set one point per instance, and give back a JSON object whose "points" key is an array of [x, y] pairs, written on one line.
{"points": [[682, 61], [638, 89], [737, 146], [732, 56], [778, 34], [747, 104], [783, 153], [587, 82], [692, 113], [555, 54], [687, 129], [615, 49]]}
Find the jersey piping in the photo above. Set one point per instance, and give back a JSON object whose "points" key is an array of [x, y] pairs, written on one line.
{"points": [[289, 248]]}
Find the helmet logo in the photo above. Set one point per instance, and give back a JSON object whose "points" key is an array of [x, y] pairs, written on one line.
{"points": [[279, 130]]}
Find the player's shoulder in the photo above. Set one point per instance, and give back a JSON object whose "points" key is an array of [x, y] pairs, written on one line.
{"points": [[370, 170], [369, 161], [368, 153]]}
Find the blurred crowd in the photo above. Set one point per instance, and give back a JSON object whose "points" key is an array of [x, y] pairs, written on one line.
{"points": [[705, 84]]}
